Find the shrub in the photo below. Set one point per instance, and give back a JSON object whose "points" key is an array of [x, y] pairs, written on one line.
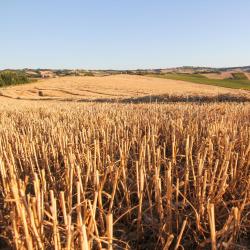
{"points": [[12, 77], [1, 82], [239, 76], [89, 74]]}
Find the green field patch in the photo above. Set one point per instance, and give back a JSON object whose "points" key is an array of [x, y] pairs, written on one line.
{"points": [[234, 83]]}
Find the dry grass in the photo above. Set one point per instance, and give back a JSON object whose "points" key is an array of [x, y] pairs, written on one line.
{"points": [[116, 87], [221, 75], [116, 176]]}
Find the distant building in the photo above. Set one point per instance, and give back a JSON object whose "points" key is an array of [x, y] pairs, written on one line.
{"points": [[47, 74]]}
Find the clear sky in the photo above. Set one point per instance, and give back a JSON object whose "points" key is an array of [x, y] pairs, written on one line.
{"points": [[124, 34]]}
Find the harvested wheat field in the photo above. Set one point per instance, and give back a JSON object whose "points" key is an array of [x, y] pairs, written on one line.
{"points": [[115, 88], [124, 176]]}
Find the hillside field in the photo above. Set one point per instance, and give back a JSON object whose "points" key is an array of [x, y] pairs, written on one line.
{"points": [[113, 87], [238, 81]]}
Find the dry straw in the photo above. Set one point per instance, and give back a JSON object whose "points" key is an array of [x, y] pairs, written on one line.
{"points": [[113, 176]]}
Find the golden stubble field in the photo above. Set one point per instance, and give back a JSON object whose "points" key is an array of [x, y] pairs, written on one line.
{"points": [[115, 87], [124, 176]]}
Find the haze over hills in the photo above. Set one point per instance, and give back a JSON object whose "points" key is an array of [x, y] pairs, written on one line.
{"points": [[208, 72], [179, 69], [208, 69]]}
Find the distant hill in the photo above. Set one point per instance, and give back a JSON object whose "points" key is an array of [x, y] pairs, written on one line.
{"points": [[190, 69], [51, 73]]}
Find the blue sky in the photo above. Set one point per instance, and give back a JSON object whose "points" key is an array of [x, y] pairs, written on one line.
{"points": [[124, 34]]}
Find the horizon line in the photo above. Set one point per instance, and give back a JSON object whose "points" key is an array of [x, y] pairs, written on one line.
{"points": [[124, 69]]}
